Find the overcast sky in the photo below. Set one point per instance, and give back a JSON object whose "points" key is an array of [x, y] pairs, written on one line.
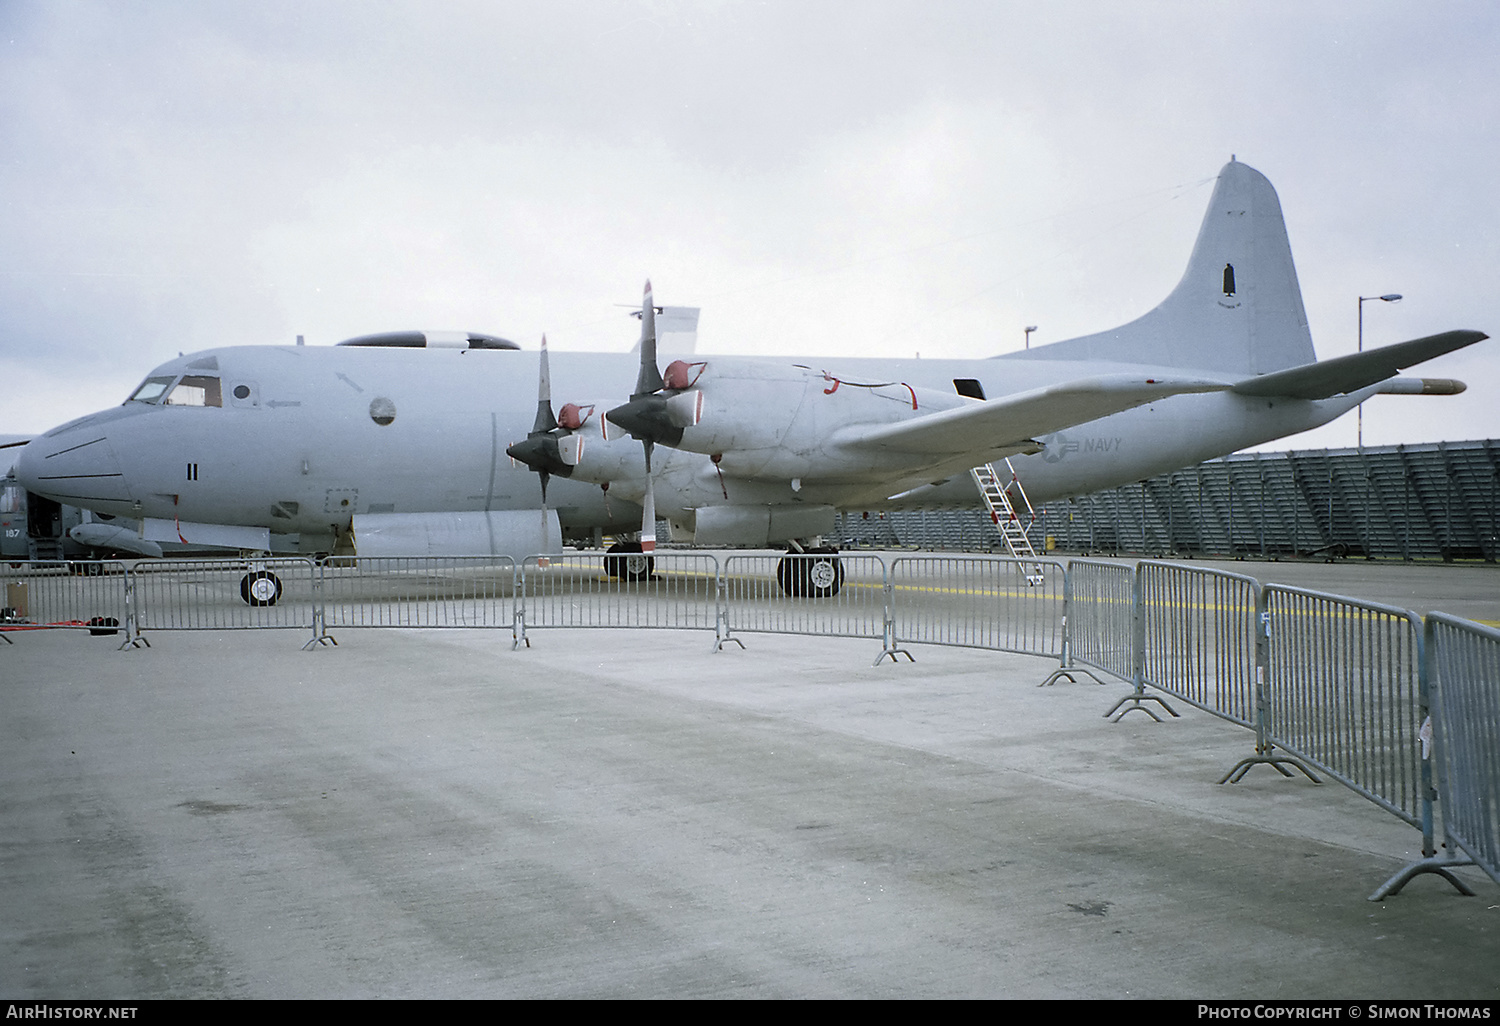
{"points": [[844, 177]]}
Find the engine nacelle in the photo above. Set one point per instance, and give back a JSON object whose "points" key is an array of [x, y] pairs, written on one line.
{"points": [[777, 421], [760, 525]]}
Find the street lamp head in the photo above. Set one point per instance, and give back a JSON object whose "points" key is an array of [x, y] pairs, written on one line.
{"points": [[1391, 297]]}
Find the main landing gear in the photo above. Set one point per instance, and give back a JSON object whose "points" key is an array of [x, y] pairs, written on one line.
{"points": [[627, 562], [810, 573]]}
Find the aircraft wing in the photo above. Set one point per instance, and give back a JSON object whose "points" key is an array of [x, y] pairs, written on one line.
{"points": [[1344, 374], [984, 427]]}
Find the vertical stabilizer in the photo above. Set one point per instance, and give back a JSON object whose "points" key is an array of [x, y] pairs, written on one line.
{"points": [[1238, 308]]}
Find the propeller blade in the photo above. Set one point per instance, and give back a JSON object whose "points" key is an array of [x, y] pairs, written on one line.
{"points": [[570, 449], [648, 509], [545, 421], [685, 409], [649, 378]]}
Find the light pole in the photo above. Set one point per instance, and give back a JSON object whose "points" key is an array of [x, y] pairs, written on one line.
{"points": [[1359, 416], [1028, 335]]}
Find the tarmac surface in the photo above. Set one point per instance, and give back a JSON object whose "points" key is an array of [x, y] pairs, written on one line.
{"points": [[427, 813]]}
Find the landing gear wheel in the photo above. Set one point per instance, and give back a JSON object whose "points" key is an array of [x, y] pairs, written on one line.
{"points": [[628, 563], [260, 588], [815, 575]]}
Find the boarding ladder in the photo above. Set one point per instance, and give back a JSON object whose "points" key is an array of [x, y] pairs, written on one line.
{"points": [[1003, 513]]}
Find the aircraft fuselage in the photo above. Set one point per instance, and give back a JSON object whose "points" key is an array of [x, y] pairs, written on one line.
{"points": [[298, 440]]}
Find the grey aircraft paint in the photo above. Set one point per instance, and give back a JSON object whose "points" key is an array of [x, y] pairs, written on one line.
{"points": [[309, 441]]}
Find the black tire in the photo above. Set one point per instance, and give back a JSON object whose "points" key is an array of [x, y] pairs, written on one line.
{"points": [[626, 562], [260, 588], [818, 575]]}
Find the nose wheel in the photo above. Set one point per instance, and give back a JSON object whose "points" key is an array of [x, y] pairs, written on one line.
{"points": [[260, 588]]}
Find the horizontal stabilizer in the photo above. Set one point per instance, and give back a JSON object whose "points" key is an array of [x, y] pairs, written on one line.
{"points": [[1345, 374], [1010, 423]]}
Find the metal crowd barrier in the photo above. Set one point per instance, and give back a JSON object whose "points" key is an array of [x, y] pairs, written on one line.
{"points": [[426, 591], [667, 590], [998, 603], [88, 595], [844, 596], [1344, 693], [1463, 673], [1199, 632], [1101, 627], [1338, 683], [225, 594]]}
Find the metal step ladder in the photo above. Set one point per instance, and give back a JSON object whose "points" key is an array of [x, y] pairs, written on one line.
{"points": [[45, 550], [1005, 516]]}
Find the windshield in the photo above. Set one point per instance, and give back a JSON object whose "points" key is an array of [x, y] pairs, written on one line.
{"points": [[192, 390], [152, 389]]}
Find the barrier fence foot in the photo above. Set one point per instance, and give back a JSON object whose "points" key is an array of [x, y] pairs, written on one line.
{"points": [[893, 653], [136, 642], [1138, 702], [1068, 674], [322, 639], [1438, 866], [1276, 762], [719, 643]]}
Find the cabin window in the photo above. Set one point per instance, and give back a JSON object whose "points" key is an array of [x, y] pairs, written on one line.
{"points": [[151, 390], [969, 387], [196, 390], [12, 499]]}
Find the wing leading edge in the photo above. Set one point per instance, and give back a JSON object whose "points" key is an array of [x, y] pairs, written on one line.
{"points": [[995, 427]]}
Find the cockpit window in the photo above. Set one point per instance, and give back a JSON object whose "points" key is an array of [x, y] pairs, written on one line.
{"points": [[152, 390], [191, 390], [196, 390]]}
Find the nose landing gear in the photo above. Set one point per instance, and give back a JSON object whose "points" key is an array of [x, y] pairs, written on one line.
{"points": [[260, 588]]}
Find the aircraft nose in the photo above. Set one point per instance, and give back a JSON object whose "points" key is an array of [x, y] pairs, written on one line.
{"points": [[72, 467]]}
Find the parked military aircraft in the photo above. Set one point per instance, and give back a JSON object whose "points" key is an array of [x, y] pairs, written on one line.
{"points": [[399, 445]]}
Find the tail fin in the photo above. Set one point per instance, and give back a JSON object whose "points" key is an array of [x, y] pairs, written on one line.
{"points": [[1237, 310]]}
